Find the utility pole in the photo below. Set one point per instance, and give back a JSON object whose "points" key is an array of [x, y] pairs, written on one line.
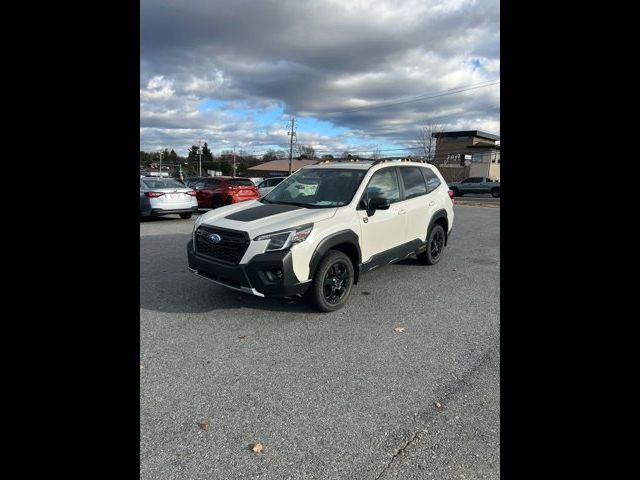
{"points": [[234, 160], [292, 133]]}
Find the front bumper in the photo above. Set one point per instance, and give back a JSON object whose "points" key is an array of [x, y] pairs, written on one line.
{"points": [[266, 275]]}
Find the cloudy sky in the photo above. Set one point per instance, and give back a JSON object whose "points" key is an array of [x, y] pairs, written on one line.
{"points": [[357, 75]]}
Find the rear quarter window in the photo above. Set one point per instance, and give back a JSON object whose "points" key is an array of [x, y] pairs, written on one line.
{"points": [[431, 178]]}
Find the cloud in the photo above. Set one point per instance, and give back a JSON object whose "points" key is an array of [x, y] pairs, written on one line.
{"points": [[319, 59]]}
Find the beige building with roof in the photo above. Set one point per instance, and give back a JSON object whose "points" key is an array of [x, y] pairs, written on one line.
{"points": [[278, 168]]}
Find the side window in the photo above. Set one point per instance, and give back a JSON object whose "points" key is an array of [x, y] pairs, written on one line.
{"points": [[210, 183], [432, 179], [384, 183], [414, 184], [263, 184], [473, 180], [142, 185]]}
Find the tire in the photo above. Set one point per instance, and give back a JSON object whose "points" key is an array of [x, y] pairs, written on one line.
{"points": [[435, 246], [229, 201], [495, 192], [323, 293], [186, 216], [216, 201]]}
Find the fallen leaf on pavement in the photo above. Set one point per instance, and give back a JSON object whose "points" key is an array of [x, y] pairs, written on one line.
{"points": [[204, 425], [437, 404], [141, 366], [399, 329], [242, 337], [257, 448]]}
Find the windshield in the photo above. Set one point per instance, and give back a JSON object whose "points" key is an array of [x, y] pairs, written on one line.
{"points": [[317, 188], [162, 183]]}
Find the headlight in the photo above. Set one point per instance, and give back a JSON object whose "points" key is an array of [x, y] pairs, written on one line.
{"points": [[199, 221], [286, 238]]}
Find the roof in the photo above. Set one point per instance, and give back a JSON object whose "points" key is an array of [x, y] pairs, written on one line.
{"points": [[491, 146], [281, 165], [366, 164], [467, 133]]}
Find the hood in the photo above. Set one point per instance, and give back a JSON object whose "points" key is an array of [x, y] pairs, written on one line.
{"points": [[259, 218]]}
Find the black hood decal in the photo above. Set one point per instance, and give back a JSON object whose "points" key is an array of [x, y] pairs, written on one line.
{"points": [[256, 213]]}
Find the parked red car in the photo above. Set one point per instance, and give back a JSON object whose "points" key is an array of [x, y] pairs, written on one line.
{"points": [[215, 192]]}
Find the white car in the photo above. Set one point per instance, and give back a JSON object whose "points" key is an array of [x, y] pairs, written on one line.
{"points": [[166, 196], [269, 184], [324, 226]]}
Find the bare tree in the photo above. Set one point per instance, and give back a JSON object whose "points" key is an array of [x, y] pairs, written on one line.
{"points": [[304, 152], [428, 139], [376, 154]]}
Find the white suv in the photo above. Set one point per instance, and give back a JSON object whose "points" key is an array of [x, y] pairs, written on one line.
{"points": [[324, 226]]}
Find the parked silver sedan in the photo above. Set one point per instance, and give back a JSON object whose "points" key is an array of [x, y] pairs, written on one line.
{"points": [[268, 184], [166, 196]]}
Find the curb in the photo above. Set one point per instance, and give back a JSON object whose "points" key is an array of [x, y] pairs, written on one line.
{"points": [[477, 204]]}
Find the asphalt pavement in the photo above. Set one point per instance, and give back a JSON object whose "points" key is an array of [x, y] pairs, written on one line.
{"points": [[329, 396]]}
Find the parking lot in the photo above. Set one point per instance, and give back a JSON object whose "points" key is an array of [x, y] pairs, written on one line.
{"points": [[330, 396]]}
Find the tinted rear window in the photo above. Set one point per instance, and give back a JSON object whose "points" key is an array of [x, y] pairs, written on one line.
{"points": [[241, 182]]}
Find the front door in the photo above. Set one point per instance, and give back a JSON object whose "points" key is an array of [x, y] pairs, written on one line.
{"points": [[385, 229]]}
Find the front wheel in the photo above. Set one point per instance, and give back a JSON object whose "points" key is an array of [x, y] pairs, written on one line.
{"points": [[332, 282], [435, 246], [187, 215], [495, 192]]}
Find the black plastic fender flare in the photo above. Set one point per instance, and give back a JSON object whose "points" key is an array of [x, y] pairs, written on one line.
{"points": [[440, 214], [343, 236]]}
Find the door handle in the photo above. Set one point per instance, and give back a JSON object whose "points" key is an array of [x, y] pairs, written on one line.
{"points": [[402, 211]]}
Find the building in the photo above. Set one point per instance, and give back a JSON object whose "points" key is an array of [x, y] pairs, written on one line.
{"points": [[277, 168], [469, 153]]}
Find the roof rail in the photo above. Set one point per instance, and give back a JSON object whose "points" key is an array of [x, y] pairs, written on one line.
{"points": [[384, 160], [343, 160]]}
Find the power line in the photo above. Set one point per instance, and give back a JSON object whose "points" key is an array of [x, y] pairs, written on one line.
{"points": [[419, 98]]}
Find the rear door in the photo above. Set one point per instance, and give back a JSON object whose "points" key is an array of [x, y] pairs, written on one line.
{"points": [[204, 190], [385, 229], [415, 202]]}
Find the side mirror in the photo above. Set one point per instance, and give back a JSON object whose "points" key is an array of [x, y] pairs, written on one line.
{"points": [[377, 203]]}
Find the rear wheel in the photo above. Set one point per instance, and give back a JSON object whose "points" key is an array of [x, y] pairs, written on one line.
{"points": [[332, 282], [435, 246], [186, 215], [229, 201], [495, 192]]}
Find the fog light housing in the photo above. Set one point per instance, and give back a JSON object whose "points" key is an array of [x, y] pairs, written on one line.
{"points": [[274, 274]]}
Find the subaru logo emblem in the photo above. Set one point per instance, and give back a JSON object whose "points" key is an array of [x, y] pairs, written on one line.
{"points": [[215, 238]]}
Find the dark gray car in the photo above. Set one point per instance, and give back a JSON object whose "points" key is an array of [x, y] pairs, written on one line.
{"points": [[475, 185]]}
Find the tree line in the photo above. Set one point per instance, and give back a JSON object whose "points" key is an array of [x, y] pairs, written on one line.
{"points": [[189, 165]]}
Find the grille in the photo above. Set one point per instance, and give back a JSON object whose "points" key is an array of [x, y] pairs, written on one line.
{"points": [[230, 250]]}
